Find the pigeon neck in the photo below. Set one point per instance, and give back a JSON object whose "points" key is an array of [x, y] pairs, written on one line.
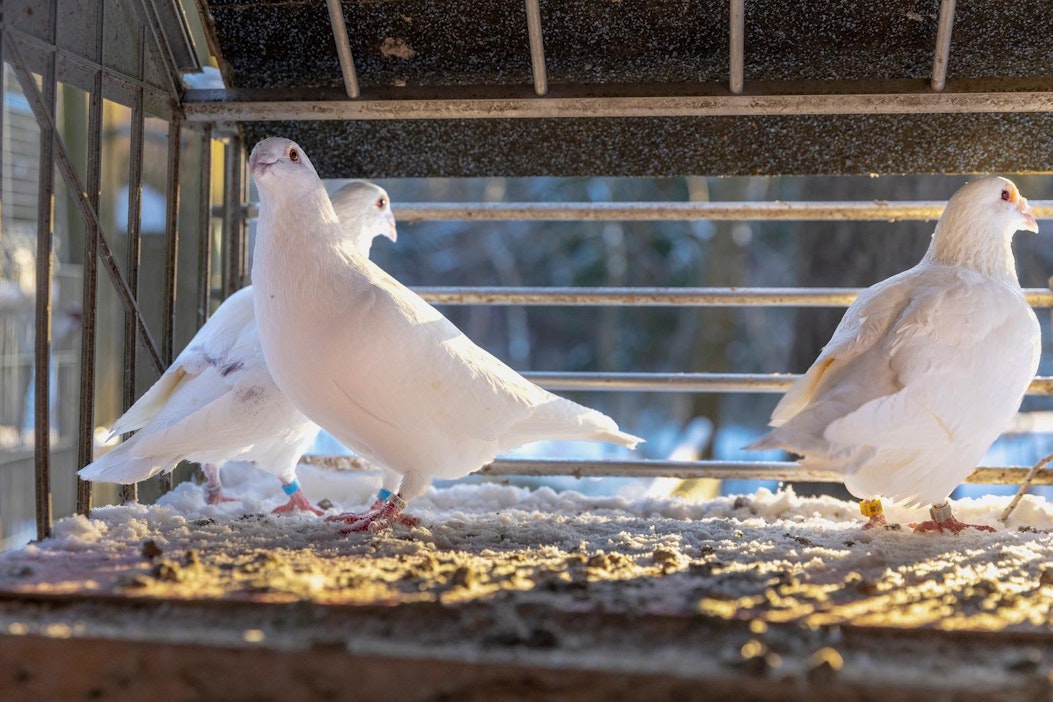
{"points": [[289, 210], [971, 244]]}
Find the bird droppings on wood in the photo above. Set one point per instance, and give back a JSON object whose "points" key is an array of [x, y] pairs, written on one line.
{"points": [[511, 547], [495, 570]]}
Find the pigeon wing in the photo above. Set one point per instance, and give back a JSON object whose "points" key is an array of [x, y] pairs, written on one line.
{"points": [[866, 322], [941, 325]]}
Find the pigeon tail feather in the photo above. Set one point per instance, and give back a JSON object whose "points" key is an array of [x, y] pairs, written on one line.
{"points": [[618, 437], [121, 466], [147, 406]]}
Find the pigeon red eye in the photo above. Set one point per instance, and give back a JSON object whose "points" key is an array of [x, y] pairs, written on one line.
{"points": [[294, 155], [381, 203], [1005, 195]]}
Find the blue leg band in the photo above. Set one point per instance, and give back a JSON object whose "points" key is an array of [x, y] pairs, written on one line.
{"points": [[291, 488], [384, 494]]}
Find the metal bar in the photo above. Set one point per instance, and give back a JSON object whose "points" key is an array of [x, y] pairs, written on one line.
{"points": [[694, 382], [343, 47], [203, 106], [780, 471], [76, 190], [136, 143], [3, 92], [670, 297], [663, 382], [537, 46], [234, 231], [127, 81], [44, 273], [873, 211], [89, 304], [943, 45], [724, 470], [161, 50], [736, 45], [171, 271], [204, 223]]}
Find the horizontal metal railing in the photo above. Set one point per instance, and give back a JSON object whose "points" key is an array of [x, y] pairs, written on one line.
{"points": [[671, 297], [694, 382], [574, 102], [858, 211], [778, 471]]}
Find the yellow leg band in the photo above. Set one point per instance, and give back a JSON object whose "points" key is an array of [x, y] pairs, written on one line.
{"points": [[871, 508]]}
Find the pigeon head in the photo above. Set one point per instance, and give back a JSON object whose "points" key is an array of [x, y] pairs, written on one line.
{"points": [[976, 228], [279, 165], [996, 201], [364, 211]]}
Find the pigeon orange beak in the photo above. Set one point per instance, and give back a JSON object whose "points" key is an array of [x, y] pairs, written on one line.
{"points": [[1024, 209]]}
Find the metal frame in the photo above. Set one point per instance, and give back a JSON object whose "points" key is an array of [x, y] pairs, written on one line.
{"points": [[90, 73], [857, 97], [212, 112], [894, 97]]}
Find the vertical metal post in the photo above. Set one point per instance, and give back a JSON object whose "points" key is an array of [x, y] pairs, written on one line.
{"points": [[171, 278], [3, 92], [204, 254], [343, 47], [943, 45], [537, 46], [44, 272], [86, 422], [736, 46], [130, 493], [233, 216]]}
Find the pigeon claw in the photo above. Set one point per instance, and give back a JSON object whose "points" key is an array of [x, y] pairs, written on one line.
{"points": [[878, 520], [217, 496], [381, 515], [297, 503], [943, 520], [951, 525]]}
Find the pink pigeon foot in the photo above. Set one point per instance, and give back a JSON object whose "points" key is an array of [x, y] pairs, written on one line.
{"points": [[875, 512], [876, 521], [213, 486], [942, 521], [383, 496], [381, 515], [217, 496], [297, 503]]}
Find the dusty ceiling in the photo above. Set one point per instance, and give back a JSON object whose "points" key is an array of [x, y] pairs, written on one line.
{"points": [[464, 49]]}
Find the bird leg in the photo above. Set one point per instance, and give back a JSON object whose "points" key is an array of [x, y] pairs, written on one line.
{"points": [[214, 486], [297, 500], [385, 510], [875, 512], [943, 520]]}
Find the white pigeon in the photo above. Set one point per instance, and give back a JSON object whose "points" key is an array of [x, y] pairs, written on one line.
{"points": [[374, 364], [926, 368], [218, 402]]}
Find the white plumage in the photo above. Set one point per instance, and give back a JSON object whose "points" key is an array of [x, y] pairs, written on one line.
{"points": [[926, 368], [217, 401], [370, 361]]}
